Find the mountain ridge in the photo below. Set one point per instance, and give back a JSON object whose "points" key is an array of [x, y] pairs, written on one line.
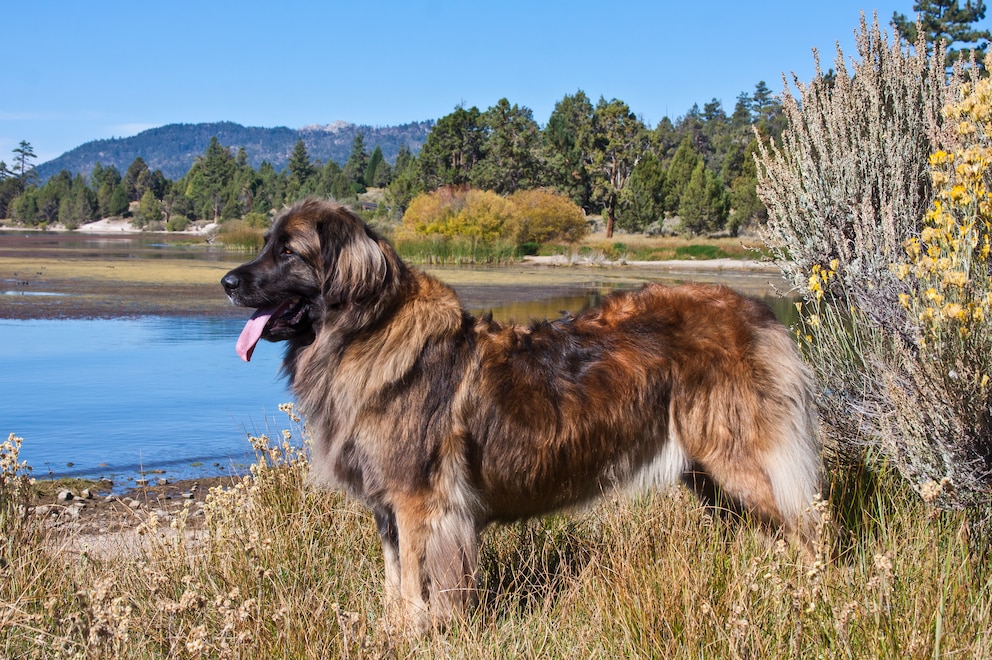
{"points": [[172, 148]]}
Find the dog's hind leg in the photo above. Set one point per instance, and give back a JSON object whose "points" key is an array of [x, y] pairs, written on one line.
{"points": [[451, 561]]}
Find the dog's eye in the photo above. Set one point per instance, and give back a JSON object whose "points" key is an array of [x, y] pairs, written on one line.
{"points": [[286, 250]]}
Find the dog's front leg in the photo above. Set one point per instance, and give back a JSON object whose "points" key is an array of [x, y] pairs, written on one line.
{"points": [[412, 529], [385, 521]]}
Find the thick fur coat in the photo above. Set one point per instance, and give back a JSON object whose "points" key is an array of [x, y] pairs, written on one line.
{"points": [[442, 422]]}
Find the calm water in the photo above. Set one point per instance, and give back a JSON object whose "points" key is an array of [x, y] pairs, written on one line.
{"points": [[109, 397]]}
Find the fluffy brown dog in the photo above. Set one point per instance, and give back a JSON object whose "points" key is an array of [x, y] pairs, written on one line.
{"points": [[443, 423]]}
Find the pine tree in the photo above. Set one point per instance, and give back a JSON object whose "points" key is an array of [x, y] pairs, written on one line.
{"points": [[567, 147], [23, 165], [704, 203], [679, 172], [948, 21], [355, 166], [299, 166], [620, 139]]}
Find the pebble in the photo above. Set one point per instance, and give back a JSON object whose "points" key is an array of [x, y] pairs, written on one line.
{"points": [[65, 495]]}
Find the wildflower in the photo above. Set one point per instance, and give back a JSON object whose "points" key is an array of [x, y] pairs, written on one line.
{"points": [[954, 312], [955, 278]]}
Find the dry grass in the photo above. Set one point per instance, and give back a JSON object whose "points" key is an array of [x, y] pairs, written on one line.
{"points": [[283, 571], [149, 271], [638, 247]]}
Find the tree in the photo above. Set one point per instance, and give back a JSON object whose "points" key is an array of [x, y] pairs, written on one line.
{"points": [[377, 170], [137, 179], [620, 140], [567, 142], [704, 203], [299, 166], [679, 172], [509, 153], [746, 206], [405, 183], [355, 166], [452, 150], [104, 181], [947, 21], [207, 184], [23, 165], [149, 210], [643, 199], [118, 202]]}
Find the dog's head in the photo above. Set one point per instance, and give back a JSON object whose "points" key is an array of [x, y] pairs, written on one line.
{"points": [[318, 258]]}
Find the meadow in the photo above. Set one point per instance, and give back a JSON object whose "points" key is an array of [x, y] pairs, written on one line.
{"points": [[276, 569]]}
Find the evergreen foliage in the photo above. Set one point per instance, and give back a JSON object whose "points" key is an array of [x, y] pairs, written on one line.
{"points": [[948, 22], [601, 156]]}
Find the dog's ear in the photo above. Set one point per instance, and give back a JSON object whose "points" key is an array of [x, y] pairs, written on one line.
{"points": [[355, 267]]}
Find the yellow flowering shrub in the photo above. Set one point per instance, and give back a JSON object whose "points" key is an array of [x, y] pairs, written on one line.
{"points": [[946, 268]]}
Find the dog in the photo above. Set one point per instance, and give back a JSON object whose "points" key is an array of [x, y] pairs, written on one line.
{"points": [[442, 423]]}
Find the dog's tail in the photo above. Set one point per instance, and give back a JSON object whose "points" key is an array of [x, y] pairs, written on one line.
{"points": [[792, 459]]}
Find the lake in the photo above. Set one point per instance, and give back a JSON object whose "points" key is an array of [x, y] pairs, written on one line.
{"points": [[109, 397]]}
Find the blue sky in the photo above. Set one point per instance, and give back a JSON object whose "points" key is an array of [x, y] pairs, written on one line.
{"points": [[80, 71]]}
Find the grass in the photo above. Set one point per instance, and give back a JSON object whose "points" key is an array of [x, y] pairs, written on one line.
{"points": [[636, 247], [283, 571]]}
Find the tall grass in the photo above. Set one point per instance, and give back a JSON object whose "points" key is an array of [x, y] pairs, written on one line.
{"points": [[279, 570], [444, 250]]}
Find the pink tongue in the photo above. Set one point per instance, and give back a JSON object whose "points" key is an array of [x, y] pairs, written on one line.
{"points": [[253, 330]]}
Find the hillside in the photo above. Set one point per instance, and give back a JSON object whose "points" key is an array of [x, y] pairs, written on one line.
{"points": [[173, 148]]}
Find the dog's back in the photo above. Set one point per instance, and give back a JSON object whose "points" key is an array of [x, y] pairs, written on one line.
{"points": [[650, 387]]}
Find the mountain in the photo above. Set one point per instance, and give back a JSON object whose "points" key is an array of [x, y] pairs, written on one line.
{"points": [[173, 148]]}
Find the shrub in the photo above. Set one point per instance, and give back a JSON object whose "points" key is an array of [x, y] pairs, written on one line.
{"points": [[177, 222], [848, 187], [485, 220], [543, 215]]}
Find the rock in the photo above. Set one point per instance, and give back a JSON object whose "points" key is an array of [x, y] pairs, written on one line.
{"points": [[141, 482], [162, 482], [65, 495], [86, 494], [43, 510], [187, 495]]}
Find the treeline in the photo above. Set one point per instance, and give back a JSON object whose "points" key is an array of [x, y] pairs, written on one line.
{"points": [[604, 158]]}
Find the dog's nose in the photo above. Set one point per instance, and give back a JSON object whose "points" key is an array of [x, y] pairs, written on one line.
{"points": [[230, 282]]}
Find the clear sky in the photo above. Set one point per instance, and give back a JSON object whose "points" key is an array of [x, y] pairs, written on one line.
{"points": [[79, 71]]}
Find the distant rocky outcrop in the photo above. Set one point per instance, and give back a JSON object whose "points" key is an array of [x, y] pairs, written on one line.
{"points": [[173, 148]]}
